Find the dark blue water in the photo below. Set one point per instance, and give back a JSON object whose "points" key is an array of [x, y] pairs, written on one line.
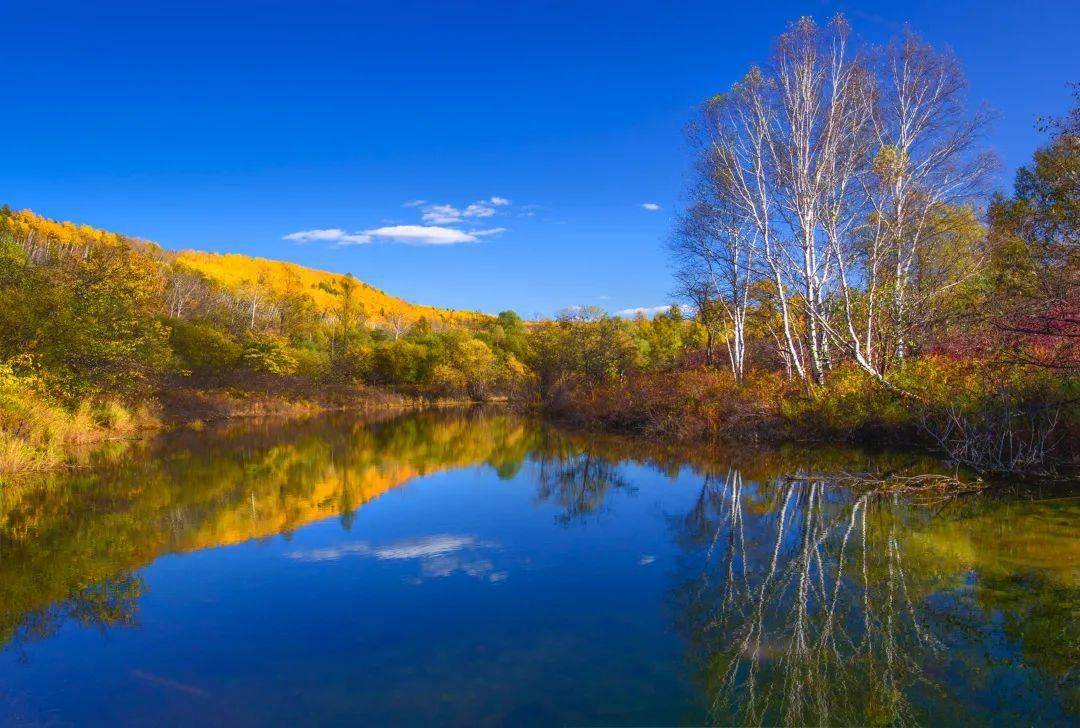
{"points": [[469, 569]]}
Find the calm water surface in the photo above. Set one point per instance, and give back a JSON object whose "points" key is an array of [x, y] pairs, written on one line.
{"points": [[475, 568]]}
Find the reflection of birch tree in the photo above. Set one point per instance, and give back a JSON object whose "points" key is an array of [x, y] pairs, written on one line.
{"points": [[806, 615], [579, 483]]}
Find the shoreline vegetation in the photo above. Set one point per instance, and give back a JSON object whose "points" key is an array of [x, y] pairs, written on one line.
{"points": [[842, 273]]}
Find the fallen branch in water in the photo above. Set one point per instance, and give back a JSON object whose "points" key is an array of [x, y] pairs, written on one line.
{"points": [[892, 483]]}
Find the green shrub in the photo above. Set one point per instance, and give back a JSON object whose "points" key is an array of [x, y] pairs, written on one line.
{"points": [[200, 346], [113, 416], [269, 354]]}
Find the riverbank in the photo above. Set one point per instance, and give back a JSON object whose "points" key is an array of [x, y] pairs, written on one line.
{"points": [[39, 434], [988, 419], [973, 415]]}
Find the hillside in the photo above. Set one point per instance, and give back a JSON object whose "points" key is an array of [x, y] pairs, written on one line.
{"points": [[235, 273]]}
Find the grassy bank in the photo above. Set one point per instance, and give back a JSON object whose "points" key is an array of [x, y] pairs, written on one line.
{"points": [[39, 433]]}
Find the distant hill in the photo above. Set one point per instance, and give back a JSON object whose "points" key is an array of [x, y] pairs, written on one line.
{"points": [[234, 272]]}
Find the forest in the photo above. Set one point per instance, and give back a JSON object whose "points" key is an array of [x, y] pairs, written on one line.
{"points": [[843, 270]]}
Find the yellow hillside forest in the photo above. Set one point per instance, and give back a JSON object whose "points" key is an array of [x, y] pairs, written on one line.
{"points": [[241, 275], [281, 279]]}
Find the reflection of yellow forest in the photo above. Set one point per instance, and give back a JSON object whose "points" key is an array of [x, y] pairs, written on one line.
{"points": [[295, 484], [62, 534], [1010, 538]]}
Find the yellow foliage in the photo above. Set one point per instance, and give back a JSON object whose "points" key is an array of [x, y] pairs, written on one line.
{"points": [[236, 272]]}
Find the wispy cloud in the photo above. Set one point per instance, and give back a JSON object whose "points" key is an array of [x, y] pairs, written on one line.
{"points": [[488, 232], [450, 215], [310, 236], [478, 209], [646, 311], [650, 206], [435, 229], [412, 235], [403, 234], [441, 215]]}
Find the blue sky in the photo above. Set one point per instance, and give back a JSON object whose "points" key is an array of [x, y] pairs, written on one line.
{"points": [[227, 126]]}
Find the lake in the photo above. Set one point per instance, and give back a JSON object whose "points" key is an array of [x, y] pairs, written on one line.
{"points": [[476, 568]]}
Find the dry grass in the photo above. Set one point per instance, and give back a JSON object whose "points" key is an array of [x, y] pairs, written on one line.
{"points": [[39, 434], [17, 455]]}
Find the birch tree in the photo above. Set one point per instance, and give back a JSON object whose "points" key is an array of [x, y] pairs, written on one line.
{"points": [[831, 168], [714, 248]]}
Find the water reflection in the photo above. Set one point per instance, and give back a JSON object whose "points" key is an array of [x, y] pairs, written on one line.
{"points": [[806, 603], [797, 600], [438, 555], [65, 539], [579, 483]]}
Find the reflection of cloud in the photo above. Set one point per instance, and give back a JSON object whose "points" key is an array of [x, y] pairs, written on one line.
{"points": [[425, 546], [168, 683], [332, 553], [439, 566], [447, 565], [477, 568], [440, 555]]}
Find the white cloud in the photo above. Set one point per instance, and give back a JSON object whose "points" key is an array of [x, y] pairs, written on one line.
{"points": [[354, 239], [478, 209], [433, 231], [413, 235], [405, 234], [489, 231], [450, 215], [441, 215], [646, 311], [650, 206], [308, 236]]}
